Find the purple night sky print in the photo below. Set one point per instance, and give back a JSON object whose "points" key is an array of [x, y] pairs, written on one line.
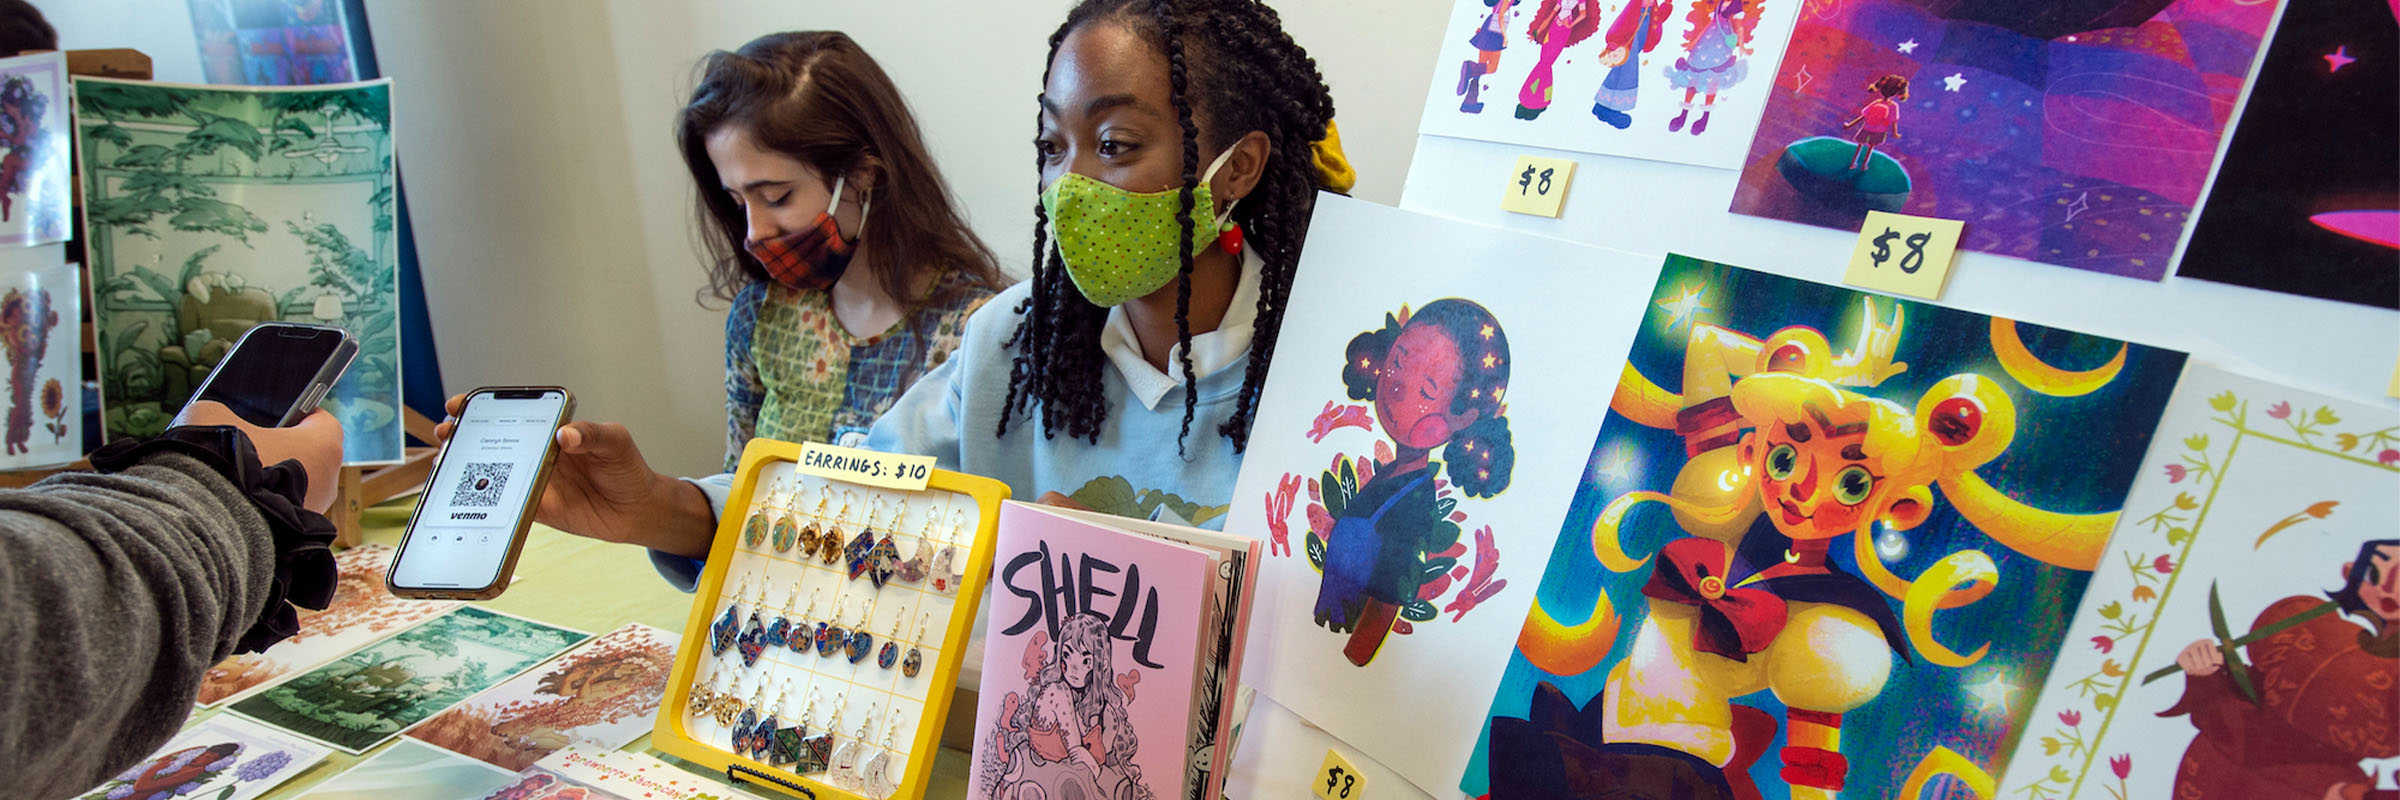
{"points": [[2076, 133]]}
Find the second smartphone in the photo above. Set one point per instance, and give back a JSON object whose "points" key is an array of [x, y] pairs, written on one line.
{"points": [[463, 540]]}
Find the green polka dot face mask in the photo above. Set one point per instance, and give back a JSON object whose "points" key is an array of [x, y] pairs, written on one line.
{"points": [[1119, 245]]}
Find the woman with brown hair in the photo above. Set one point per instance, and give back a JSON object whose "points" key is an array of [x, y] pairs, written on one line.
{"points": [[849, 269], [830, 231]]}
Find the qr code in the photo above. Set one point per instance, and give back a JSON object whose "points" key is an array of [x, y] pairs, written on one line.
{"points": [[481, 484]]}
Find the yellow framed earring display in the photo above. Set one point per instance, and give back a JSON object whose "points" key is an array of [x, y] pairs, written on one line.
{"points": [[907, 702]]}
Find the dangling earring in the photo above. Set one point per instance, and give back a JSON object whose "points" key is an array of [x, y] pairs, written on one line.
{"points": [[784, 749], [808, 533], [878, 770], [913, 570], [753, 640], [787, 531], [890, 654], [915, 660], [858, 549], [704, 697], [728, 705], [1230, 237], [885, 556], [779, 632], [829, 545], [728, 626], [862, 641], [832, 638], [752, 741], [804, 632], [945, 563], [845, 758], [817, 751], [754, 530]]}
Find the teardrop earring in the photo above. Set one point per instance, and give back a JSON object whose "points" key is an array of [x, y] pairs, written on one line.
{"points": [[862, 640], [915, 660], [829, 546], [804, 629], [809, 531], [884, 557], [752, 741], [779, 632], [890, 654], [754, 529], [786, 528], [832, 638], [945, 563]]}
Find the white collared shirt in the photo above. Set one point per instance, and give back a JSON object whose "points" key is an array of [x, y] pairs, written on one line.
{"points": [[1211, 351]]}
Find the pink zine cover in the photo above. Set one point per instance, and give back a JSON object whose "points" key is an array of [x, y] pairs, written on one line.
{"points": [[1088, 673]]}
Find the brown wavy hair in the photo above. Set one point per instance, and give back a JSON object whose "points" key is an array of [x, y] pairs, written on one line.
{"points": [[817, 97]]}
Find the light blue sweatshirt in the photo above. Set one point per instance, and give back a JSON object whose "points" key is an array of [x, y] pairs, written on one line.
{"points": [[1133, 470]]}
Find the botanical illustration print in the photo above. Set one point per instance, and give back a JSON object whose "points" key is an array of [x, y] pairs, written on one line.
{"points": [[2291, 184], [34, 197], [1069, 733], [2078, 135], [412, 770], [45, 390], [1730, 611], [1386, 531], [273, 42], [212, 210], [1656, 79], [363, 610], [601, 695], [223, 758], [1113, 495], [370, 695], [2243, 640]]}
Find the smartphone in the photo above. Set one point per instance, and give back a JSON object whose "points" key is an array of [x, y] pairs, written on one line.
{"points": [[278, 371], [462, 542]]}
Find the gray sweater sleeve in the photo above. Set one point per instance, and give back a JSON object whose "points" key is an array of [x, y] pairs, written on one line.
{"points": [[117, 592]]}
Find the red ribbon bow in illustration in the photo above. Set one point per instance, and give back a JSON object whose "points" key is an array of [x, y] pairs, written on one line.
{"points": [[1733, 622]]}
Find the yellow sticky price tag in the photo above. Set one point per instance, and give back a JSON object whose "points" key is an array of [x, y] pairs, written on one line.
{"points": [[1538, 185], [1902, 254], [1336, 779], [865, 467]]}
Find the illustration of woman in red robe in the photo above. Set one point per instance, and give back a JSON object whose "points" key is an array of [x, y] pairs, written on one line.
{"points": [[2327, 695]]}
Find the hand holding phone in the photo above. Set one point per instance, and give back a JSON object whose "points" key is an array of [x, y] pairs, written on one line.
{"points": [[278, 371], [462, 541]]}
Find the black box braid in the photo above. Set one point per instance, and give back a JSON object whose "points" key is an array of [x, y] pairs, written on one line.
{"points": [[1250, 75]]}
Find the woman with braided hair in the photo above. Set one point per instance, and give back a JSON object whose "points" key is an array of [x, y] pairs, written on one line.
{"points": [[1180, 145]]}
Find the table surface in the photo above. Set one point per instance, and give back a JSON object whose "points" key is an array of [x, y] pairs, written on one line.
{"points": [[588, 585]]}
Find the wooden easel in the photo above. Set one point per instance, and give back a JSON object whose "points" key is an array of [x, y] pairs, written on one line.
{"points": [[360, 486], [363, 486]]}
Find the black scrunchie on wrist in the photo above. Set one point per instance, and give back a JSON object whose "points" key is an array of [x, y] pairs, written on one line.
{"points": [[304, 571]]}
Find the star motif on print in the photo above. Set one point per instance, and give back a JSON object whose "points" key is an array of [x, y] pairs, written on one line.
{"points": [[1991, 696], [1800, 79], [1616, 465], [2339, 58], [1952, 83], [1684, 307], [1909, 46], [2082, 204]]}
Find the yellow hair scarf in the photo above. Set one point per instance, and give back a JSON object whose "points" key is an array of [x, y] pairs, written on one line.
{"points": [[1333, 168]]}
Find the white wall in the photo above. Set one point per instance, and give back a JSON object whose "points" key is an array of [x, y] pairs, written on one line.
{"points": [[553, 215]]}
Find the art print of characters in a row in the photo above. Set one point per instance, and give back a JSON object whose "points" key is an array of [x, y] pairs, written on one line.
{"points": [[1715, 50], [1764, 640]]}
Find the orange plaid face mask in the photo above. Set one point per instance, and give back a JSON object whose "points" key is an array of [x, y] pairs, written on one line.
{"points": [[815, 256]]}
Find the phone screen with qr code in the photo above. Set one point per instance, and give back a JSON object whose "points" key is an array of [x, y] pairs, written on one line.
{"points": [[466, 524]]}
